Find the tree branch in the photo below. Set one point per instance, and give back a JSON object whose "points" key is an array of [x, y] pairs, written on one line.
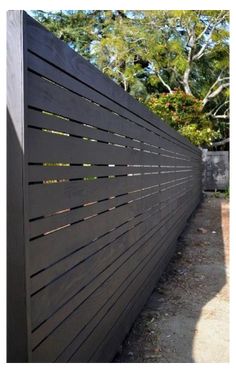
{"points": [[224, 116], [203, 32], [192, 56], [219, 107], [200, 53], [186, 81], [222, 142], [225, 78], [190, 45], [164, 83], [213, 93]]}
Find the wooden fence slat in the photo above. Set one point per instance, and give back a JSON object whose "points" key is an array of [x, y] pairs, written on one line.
{"points": [[79, 274], [134, 262], [50, 72], [46, 147], [99, 189], [51, 198], [45, 44], [77, 256]]}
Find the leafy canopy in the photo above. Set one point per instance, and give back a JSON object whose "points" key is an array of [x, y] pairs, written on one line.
{"points": [[184, 113], [175, 62]]}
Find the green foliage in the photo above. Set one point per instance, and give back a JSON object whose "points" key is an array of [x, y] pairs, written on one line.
{"points": [[199, 136], [226, 193], [184, 113], [217, 194], [157, 54]]}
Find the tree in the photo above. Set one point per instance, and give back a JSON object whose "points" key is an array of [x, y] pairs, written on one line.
{"points": [[184, 113], [155, 55]]}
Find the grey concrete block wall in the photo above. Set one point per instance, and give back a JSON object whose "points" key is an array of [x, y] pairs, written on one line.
{"points": [[215, 170]]}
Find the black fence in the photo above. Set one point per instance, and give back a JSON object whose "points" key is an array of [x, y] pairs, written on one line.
{"points": [[99, 189]]}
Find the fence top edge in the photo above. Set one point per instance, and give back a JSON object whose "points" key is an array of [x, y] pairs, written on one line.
{"points": [[127, 99]]}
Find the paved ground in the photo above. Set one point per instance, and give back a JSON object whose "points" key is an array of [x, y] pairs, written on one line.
{"points": [[187, 317]]}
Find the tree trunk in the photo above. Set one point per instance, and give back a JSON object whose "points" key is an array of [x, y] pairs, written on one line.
{"points": [[186, 81]]}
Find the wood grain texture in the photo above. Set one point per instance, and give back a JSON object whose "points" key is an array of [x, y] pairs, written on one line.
{"points": [[138, 258], [51, 49], [18, 313], [100, 189]]}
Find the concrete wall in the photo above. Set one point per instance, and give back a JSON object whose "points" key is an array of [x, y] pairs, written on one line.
{"points": [[215, 170]]}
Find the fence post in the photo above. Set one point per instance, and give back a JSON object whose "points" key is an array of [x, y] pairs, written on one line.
{"points": [[17, 304]]}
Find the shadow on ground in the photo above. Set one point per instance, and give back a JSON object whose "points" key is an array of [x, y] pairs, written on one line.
{"points": [[186, 318]]}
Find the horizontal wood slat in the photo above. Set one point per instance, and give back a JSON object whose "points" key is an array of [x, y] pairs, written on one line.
{"points": [[48, 71], [120, 277], [69, 216], [78, 255], [91, 152], [81, 274], [54, 99], [44, 44], [50, 198], [114, 314], [107, 189]]}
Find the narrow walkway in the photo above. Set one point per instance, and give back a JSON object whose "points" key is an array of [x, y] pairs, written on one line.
{"points": [[187, 317]]}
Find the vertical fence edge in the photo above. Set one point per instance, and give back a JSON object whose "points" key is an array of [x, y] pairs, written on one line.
{"points": [[17, 305]]}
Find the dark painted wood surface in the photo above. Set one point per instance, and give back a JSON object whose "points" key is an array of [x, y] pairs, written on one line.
{"points": [[106, 189], [18, 311]]}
